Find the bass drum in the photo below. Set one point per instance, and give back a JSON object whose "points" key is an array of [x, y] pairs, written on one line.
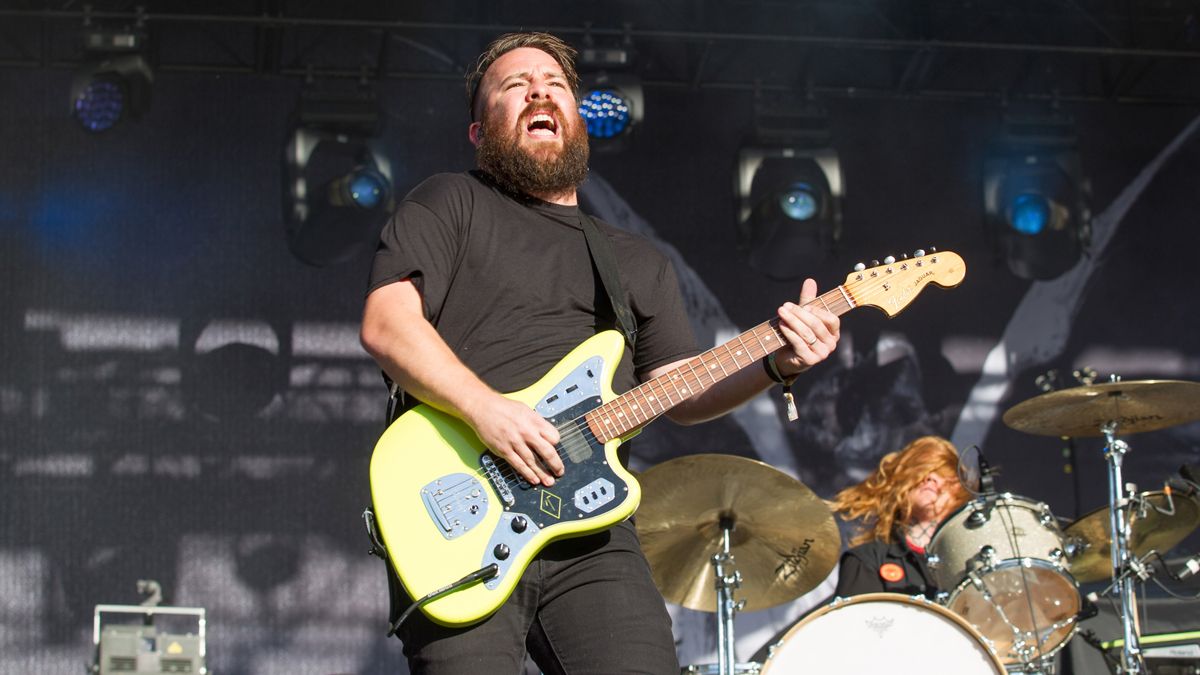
{"points": [[882, 633]]}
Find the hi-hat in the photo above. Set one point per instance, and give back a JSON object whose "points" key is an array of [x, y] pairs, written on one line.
{"points": [[784, 540], [1150, 529], [1136, 405]]}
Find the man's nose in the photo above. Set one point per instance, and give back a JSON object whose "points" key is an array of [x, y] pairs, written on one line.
{"points": [[537, 90]]}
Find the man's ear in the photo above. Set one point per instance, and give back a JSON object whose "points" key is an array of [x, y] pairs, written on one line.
{"points": [[475, 132]]}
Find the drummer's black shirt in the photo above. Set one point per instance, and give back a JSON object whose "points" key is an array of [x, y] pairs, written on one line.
{"points": [[873, 567]]}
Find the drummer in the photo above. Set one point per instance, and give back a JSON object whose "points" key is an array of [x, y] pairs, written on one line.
{"points": [[898, 508]]}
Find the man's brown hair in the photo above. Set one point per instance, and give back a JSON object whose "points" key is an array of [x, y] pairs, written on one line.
{"points": [[562, 52]]}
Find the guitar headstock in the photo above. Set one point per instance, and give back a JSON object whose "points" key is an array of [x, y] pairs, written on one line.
{"points": [[892, 285]]}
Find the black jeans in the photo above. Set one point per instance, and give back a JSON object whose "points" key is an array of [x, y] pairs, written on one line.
{"points": [[584, 606]]}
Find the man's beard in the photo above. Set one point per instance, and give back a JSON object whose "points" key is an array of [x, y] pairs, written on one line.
{"points": [[537, 172]]}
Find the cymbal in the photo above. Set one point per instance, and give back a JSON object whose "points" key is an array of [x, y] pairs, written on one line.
{"points": [[784, 540], [1150, 530], [1136, 405]]}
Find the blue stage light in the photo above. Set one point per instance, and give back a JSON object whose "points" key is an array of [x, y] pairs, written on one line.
{"points": [[1029, 213], [99, 104], [799, 202], [606, 113], [365, 188]]}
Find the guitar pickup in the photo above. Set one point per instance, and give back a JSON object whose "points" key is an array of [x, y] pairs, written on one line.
{"points": [[594, 495]]}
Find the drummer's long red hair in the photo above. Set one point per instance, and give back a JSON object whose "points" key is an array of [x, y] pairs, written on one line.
{"points": [[881, 501]]}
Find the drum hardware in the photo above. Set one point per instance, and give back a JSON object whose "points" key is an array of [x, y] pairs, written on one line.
{"points": [[700, 513], [724, 584], [1103, 410], [1159, 521]]}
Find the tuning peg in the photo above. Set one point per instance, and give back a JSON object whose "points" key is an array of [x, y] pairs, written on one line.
{"points": [[889, 260], [933, 249], [918, 253], [874, 263], [904, 256], [860, 267]]}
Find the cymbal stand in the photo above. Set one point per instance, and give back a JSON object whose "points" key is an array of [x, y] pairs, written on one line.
{"points": [[726, 579], [1123, 585]]}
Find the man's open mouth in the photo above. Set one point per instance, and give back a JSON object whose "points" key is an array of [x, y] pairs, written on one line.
{"points": [[542, 125]]}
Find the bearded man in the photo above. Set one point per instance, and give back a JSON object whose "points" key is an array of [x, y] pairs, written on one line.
{"points": [[482, 282]]}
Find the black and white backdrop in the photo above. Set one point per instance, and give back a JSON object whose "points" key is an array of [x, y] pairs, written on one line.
{"points": [[181, 399]]}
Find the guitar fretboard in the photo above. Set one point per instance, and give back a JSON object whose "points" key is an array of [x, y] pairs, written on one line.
{"points": [[652, 398]]}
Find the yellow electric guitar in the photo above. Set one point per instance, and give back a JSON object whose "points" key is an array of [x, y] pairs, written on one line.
{"points": [[460, 526]]}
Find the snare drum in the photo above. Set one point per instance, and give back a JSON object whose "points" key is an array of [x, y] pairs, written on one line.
{"points": [[882, 633], [1002, 563]]}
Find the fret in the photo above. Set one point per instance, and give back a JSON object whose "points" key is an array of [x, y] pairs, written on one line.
{"points": [[697, 386], [734, 354], [710, 365], [720, 361]]}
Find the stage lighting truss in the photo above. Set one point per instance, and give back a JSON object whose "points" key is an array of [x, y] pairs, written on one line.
{"points": [[789, 207], [115, 81], [1035, 199], [338, 187]]}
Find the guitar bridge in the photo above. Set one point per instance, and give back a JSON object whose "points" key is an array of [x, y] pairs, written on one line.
{"points": [[497, 479], [456, 502]]}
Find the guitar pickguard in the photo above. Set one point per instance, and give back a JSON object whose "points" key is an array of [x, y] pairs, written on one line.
{"points": [[587, 488]]}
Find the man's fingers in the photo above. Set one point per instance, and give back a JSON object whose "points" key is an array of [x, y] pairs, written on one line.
{"points": [[808, 291]]}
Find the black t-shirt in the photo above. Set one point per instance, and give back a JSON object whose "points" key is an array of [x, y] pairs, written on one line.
{"points": [[509, 284], [879, 567]]}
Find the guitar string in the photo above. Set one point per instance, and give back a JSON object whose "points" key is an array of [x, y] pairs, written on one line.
{"points": [[870, 288]]}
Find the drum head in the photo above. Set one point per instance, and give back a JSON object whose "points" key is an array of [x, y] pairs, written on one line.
{"points": [[882, 633]]}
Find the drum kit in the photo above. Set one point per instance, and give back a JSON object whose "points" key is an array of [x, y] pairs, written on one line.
{"points": [[716, 526]]}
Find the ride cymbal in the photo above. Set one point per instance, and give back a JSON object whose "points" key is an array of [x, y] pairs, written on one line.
{"points": [[1150, 529], [1136, 405], [784, 540]]}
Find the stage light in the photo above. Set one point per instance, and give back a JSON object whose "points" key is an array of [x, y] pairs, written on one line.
{"points": [[115, 81], [1035, 197], [338, 185], [789, 214], [799, 201], [610, 95], [606, 113]]}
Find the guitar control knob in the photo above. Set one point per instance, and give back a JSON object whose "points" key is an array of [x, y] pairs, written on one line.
{"points": [[501, 551], [519, 524]]}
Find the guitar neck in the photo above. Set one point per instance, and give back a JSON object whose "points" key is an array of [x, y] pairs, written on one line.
{"points": [[652, 398]]}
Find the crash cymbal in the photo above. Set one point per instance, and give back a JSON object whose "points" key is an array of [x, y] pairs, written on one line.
{"points": [[784, 540], [1136, 405], [1149, 530]]}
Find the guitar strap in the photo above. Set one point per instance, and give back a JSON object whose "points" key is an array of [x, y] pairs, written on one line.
{"points": [[606, 266]]}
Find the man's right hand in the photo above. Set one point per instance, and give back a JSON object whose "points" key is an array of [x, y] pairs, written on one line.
{"points": [[517, 433]]}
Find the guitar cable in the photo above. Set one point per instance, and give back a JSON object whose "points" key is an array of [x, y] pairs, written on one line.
{"points": [[481, 574]]}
